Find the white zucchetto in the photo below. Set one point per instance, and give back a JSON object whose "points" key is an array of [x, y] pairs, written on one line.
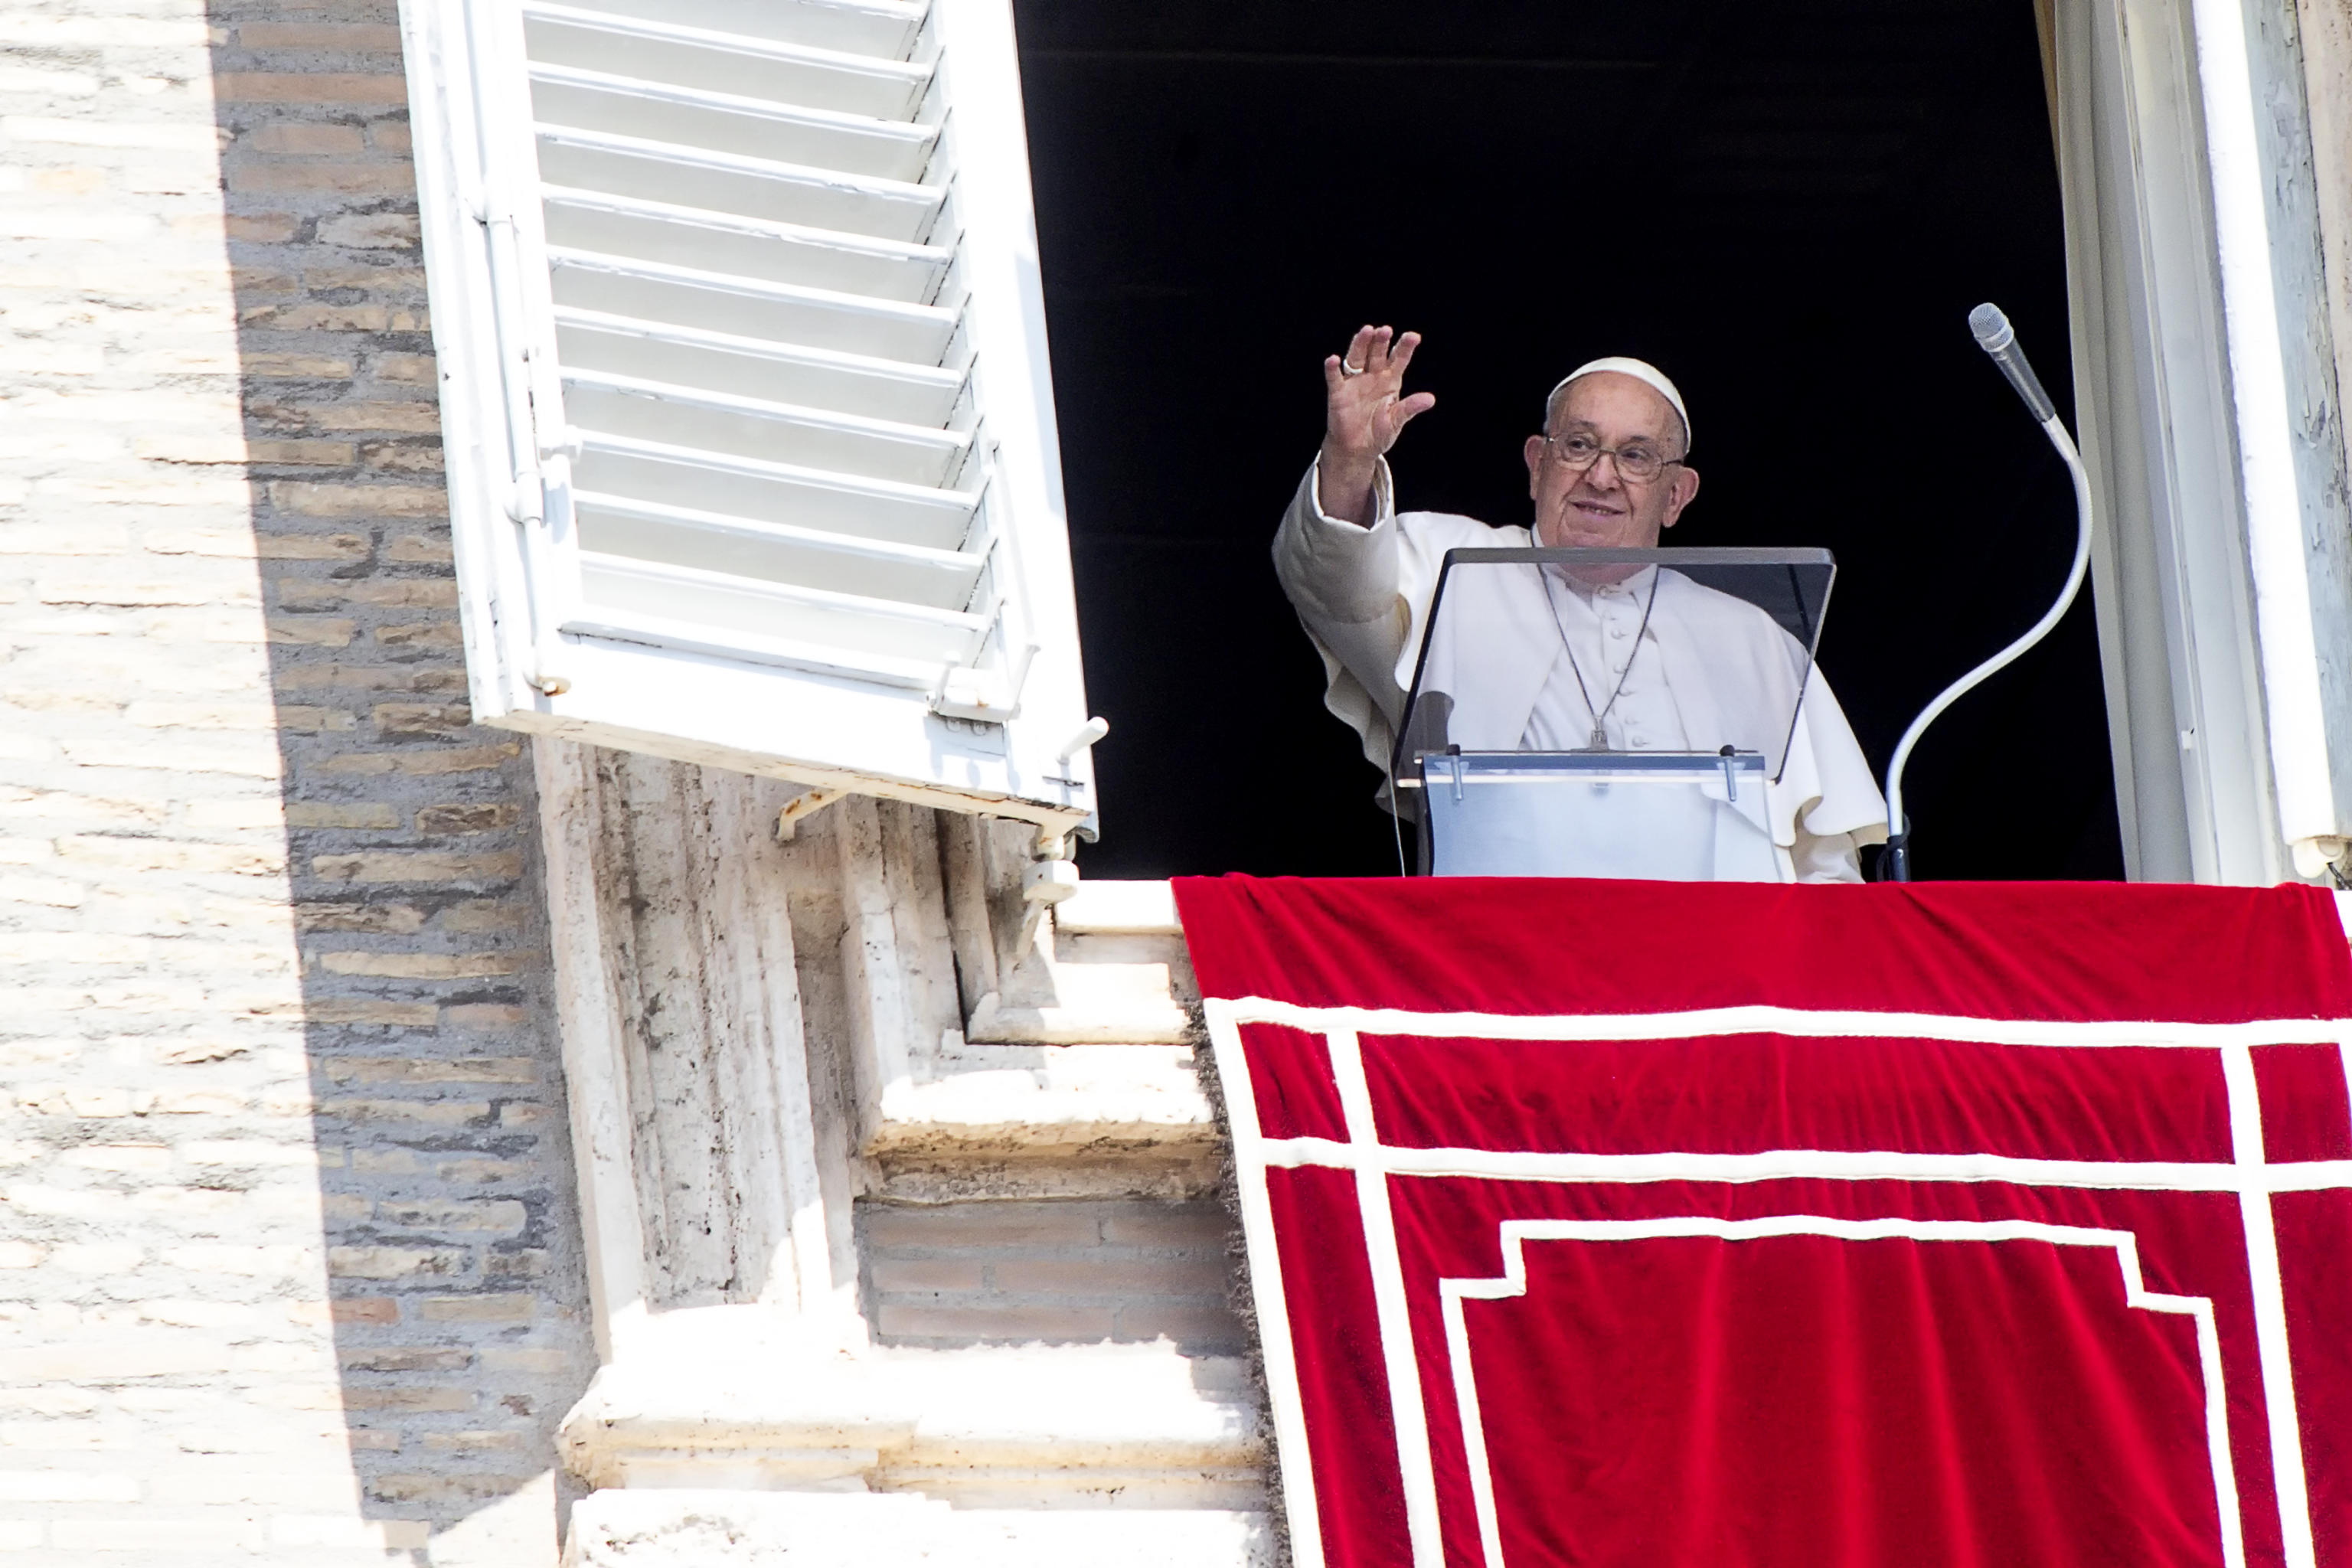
{"points": [[1642, 371]]}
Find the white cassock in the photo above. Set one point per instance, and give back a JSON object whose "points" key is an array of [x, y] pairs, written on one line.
{"points": [[1708, 670]]}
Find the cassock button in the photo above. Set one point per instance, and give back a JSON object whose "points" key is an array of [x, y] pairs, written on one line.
{"points": [[1640, 740], [1616, 631]]}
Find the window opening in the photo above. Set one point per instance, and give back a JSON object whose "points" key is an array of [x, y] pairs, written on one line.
{"points": [[1791, 208]]}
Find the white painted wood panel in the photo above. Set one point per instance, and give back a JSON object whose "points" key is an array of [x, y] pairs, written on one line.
{"points": [[773, 430]]}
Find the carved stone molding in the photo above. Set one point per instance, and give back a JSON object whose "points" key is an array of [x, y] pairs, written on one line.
{"points": [[769, 1016]]}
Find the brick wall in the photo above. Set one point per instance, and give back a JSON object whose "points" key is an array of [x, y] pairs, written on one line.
{"points": [[286, 1263]]}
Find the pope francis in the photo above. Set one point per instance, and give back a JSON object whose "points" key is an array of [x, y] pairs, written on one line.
{"points": [[1653, 661]]}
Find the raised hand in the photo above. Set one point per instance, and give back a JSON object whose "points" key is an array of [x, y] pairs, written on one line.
{"points": [[1365, 410]]}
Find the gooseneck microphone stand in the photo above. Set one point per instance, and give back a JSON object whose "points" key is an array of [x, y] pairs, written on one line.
{"points": [[1998, 339]]}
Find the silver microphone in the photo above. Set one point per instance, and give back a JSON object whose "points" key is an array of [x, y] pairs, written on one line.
{"points": [[1998, 339]]}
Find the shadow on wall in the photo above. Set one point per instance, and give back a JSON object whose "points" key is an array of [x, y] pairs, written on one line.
{"points": [[451, 1237]]}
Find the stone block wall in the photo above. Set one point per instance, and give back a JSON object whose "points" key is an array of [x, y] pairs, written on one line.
{"points": [[1067, 1271], [287, 1262]]}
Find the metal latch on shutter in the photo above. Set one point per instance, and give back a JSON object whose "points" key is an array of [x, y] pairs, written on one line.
{"points": [[992, 696]]}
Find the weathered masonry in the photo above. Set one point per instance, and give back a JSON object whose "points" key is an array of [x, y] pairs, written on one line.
{"points": [[300, 1263], [755, 502], [814, 1204], [699, 1109]]}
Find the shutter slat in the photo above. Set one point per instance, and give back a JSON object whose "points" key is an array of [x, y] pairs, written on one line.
{"points": [[724, 649], [724, 62], [753, 367], [775, 492], [729, 122], [697, 237], [715, 302], [884, 27], [874, 569], [882, 633], [729, 182], [752, 427]]}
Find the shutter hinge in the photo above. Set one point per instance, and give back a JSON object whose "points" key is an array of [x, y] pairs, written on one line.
{"points": [[527, 499]]}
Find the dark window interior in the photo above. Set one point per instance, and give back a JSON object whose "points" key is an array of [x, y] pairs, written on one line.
{"points": [[1790, 207]]}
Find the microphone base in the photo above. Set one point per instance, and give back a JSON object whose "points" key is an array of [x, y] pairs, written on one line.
{"points": [[1894, 859]]}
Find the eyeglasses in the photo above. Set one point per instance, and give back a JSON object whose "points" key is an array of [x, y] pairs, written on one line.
{"points": [[1636, 460]]}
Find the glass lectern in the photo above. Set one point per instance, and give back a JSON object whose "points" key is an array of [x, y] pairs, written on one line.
{"points": [[1610, 712]]}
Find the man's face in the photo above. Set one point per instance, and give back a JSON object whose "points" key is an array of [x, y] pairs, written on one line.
{"points": [[1599, 506]]}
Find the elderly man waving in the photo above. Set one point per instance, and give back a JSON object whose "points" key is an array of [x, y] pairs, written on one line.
{"points": [[1651, 662]]}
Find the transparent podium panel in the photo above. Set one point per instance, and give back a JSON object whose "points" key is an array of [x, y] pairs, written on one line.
{"points": [[1609, 712], [1666, 818]]}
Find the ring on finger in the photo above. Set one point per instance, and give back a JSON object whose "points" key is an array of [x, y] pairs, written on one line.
{"points": [[1345, 369]]}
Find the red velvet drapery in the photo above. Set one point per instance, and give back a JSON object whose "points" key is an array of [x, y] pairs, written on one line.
{"points": [[1689, 1227]]}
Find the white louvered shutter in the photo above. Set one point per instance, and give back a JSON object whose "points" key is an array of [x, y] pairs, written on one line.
{"points": [[752, 448]]}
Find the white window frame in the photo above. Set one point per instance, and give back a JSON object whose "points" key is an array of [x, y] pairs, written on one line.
{"points": [[2208, 412]]}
